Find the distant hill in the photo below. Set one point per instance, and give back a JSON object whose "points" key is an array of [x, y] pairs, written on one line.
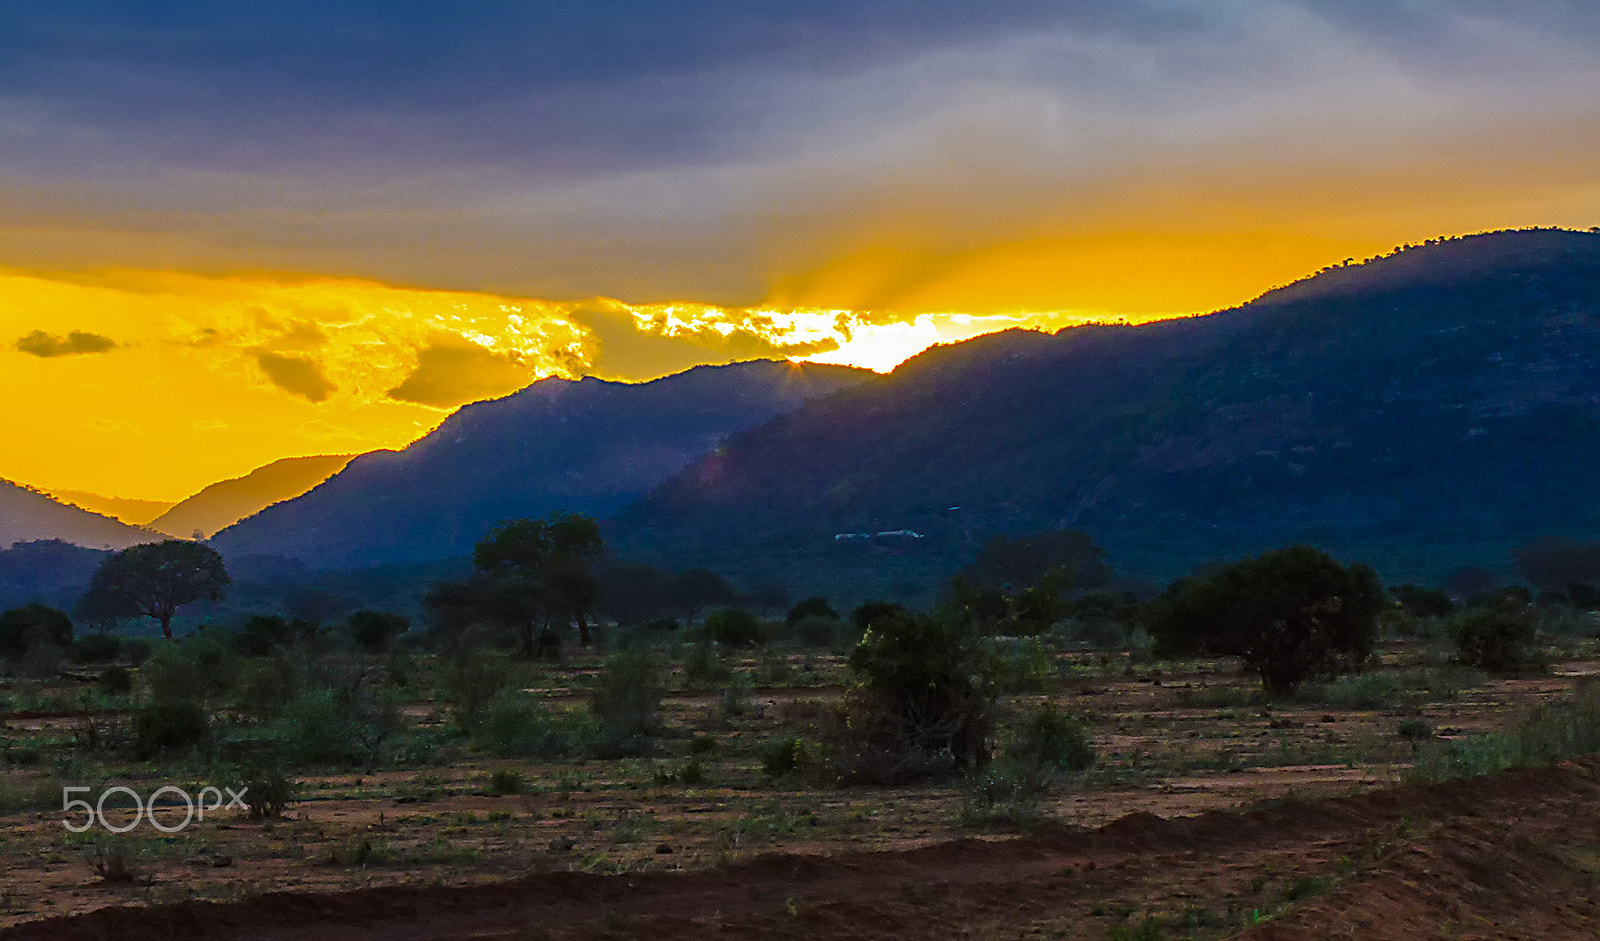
{"points": [[227, 502], [586, 446], [27, 515], [1436, 406], [130, 511]]}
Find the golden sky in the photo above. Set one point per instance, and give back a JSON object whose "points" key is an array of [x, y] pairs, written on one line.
{"points": [[230, 238]]}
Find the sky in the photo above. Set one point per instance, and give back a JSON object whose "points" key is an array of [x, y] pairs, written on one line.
{"points": [[232, 232]]}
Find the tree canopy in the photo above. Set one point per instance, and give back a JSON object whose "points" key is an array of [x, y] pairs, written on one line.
{"points": [[1289, 614], [155, 579]]}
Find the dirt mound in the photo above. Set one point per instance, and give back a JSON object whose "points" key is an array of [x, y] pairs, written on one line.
{"points": [[1511, 856]]}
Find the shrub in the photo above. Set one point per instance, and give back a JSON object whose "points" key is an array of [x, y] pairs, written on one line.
{"points": [[926, 693], [373, 630], [31, 625], [813, 607], [269, 791], [96, 648], [627, 700], [514, 725], [1366, 691], [505, 782], [315, 728], [263, 634], [787, 756], [818, 630], [136, 650], [1497, 638], [266, 685], [170, 725], [1289, 614], [1004, 793], [734, 627], [1051, 740], [116, 681], [470, 680], [703, 667], [1414, 729], [199, 669]]}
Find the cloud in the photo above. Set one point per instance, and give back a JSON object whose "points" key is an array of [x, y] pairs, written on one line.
{"points": [[452, 372], [39, 343], [295, 375]]}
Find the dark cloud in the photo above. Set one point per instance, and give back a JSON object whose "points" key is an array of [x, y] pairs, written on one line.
{"points": [[295, 375], [561, 87], [39, 343], [626, 351], [453, 372]]}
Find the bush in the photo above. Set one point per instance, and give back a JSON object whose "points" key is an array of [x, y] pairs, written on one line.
{"points": [[263, 634], [200, 669], [470, 680], [266, 685], [627, 700], [926, 697], [514, 725], [734, 627], [170, 725], [1366, 691], [813, 607], [1290, 615], [818, 630], [31, 625], [373, 630], [269, 791], [96, 648], [315, 728], [1052, 741], [703, 667], [1497, 638], [116, 681], [787, 756], [136, 650], [505, 782]]}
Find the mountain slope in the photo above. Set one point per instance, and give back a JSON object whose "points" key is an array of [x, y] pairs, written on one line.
{"points": [[131, 511], [1433, 406], [27, 515], [589, 445], [228, 501]]}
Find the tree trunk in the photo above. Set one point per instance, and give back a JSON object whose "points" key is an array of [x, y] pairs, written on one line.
{"points": [[166, 626], [584, 639]]}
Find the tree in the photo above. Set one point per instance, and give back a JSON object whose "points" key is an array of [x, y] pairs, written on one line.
{"points": [[24, 627], [1289, 614], [536, 576], [1556, 564], [815, 606], [155, 579], [693, 590], [632, 593], [1015, 564], [928, 687], [372, 630]]}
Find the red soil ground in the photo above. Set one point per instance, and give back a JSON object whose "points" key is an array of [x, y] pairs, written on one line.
{"points": [[1514, 856]]}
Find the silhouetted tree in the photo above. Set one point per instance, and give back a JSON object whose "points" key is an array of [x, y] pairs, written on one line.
{"points": [[632, 593], [1423, 602], [693, 590], [1013, 564], [373, 630], [1288, 614], [815, 606], [1556, 564], [21, 628], [538, 575], [156, 579]]}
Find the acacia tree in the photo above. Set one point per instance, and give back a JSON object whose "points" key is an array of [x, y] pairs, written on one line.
{"points": [[1288, 614], [536, 574], [155, 579]]}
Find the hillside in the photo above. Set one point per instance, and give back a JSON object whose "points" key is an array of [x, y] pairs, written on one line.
{"points": [[1435, 406], [588, 446], [27, 515], [228, 501], [131, 511]]}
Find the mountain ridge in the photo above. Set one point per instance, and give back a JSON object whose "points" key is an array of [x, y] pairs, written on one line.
{"points": [[1339, 410], [586, 445]]}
